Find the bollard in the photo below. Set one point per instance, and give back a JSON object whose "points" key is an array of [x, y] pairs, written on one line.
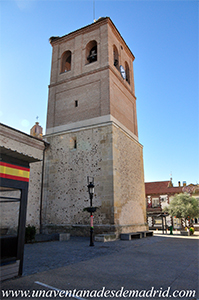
{"points": [[171, 229]]}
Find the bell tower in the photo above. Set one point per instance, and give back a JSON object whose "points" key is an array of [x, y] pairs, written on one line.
{"points": [[92, 131]]}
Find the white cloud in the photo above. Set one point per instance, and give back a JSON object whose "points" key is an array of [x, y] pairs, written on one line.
{"points": [[25, 123], [25, 4]]}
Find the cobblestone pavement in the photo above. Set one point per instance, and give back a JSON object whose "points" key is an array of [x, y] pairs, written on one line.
{"points": [[159, 262], [40, 257]]}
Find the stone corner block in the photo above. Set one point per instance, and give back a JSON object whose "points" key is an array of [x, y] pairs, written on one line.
{"points": [[64, 237]]}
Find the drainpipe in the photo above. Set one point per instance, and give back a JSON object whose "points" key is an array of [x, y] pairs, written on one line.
{"points": [[42, 182]]}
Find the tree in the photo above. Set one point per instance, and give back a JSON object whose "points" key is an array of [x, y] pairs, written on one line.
{"points": [[183, 206]]}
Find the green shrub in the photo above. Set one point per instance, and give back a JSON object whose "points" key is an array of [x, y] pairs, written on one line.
{"points": [[183, 206], [30, 233]]}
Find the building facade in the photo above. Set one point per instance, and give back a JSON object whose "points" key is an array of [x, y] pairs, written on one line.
{"points": [[21, 163], [24, 144], [92, 131], [159, 195]]}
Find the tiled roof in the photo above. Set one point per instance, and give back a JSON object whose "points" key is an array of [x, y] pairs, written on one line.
{"points": [[161, 188]]}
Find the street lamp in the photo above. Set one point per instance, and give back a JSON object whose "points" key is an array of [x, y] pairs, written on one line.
{"points": [[91, 191], [91, 209]]}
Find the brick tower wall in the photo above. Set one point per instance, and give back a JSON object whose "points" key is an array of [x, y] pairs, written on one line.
{"points": [[98, 137]]}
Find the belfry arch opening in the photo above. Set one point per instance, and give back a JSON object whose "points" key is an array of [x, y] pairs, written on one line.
{"points": [[66, 62], [91, 52], [127, 72], [115, 57]]}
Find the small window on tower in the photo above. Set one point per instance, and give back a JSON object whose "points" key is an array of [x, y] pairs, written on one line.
{"points": [[76, 103], [73, 143]]}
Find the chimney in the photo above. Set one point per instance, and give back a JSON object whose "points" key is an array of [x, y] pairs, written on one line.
{"points": [[37, 131], [179, 183], [184, 183], [170, 183]]}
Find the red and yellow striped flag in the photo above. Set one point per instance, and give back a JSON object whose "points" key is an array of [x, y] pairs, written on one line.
{"points": [[14, 172]]}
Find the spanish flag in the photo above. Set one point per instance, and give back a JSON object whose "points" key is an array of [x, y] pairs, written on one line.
{"points": [[14, 172]]}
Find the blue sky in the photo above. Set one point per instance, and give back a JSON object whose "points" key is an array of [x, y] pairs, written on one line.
{"points": [[163, 36]]}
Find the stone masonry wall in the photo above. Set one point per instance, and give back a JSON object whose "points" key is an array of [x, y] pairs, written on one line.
{"points": [[66, 171], [129, 189], [34, 195], [114, 160]]}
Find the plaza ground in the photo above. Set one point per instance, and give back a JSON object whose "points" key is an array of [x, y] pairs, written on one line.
{"points": [[162, 262]]}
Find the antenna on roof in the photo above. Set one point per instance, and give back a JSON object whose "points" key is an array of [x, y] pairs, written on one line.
{"points": [[94, 11]]}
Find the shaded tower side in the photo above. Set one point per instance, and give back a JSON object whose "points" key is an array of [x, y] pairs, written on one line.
{"points": [[128, 183], [121, 83], [128, 169]]}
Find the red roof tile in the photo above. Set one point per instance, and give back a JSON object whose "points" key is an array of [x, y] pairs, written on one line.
{"points": [[161, 188]]}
